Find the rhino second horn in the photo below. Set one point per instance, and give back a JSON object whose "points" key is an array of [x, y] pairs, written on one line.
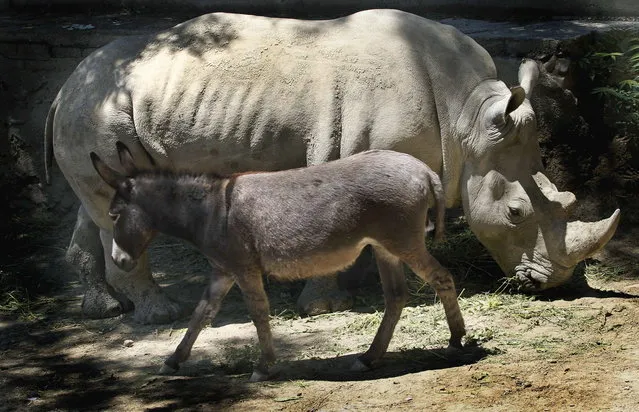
{"points": [[567, 200], [583, 239]]}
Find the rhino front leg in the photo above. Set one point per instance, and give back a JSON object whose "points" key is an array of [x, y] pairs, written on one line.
{"points": [[86, 255], [151, 305]]}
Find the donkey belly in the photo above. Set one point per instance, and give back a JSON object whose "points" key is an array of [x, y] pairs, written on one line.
{"points": [[318, 262]]}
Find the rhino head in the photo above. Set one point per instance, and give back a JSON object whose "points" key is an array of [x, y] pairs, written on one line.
{"points": [[511, 206]]}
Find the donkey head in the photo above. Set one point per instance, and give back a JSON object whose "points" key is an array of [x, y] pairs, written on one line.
{"points": [[132, 230]]}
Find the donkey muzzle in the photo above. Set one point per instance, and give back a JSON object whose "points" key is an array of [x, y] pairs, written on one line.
{"points": [[122, 259]]}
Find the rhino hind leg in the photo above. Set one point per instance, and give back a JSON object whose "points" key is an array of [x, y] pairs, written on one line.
{"points": [[323, 295], [327, 294], [151, 304], [85, 254]]}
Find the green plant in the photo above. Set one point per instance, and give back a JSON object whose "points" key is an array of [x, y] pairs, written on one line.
{"points": [[613, 68]]}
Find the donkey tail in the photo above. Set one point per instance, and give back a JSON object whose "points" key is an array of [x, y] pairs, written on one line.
{"points": [[48, 139], [437, 190]]}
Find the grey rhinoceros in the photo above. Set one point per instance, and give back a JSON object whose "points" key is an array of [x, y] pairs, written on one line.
{"points": [[230, 93]]}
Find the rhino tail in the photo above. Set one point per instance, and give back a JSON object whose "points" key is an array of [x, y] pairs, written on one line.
{"points": [[437, 190], [48, 139]]}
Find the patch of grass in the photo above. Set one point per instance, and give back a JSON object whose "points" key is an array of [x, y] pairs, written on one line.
{"points": [[480, 336], [597, 271], [18, 304], [238, 359], [422, 327], [285, 314], [482, 303], [363, 323], [546, 344]]}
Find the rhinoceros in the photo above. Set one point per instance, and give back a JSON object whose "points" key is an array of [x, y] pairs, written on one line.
{"points": [[228, 93]]}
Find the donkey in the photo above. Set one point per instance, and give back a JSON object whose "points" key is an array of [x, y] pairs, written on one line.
{"points": [[291, 224]]}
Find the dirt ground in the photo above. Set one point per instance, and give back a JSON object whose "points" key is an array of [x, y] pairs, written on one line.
{"points": [[574, 349]]}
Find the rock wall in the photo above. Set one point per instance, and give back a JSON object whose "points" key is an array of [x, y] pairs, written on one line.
{"points": [[477, 8]]}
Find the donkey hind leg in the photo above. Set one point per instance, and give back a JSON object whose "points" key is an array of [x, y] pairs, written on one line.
{"points": [[205, 311], [86, 255], [391, 273], [255, 297], [439, 278], [151, 304]]}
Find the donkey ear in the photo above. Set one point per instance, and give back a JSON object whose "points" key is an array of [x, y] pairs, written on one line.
{"points": [[110, 176], [126, 159]]}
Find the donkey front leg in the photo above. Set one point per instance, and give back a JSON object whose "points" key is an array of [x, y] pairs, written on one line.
{"points": [[255, 297], [391, 273], [206, 310], [439, 278]]}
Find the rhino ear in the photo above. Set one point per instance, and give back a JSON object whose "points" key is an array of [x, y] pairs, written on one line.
{"points": [[126, 159], [517, 97], [528, 76], [110, 176], [500, 110]]}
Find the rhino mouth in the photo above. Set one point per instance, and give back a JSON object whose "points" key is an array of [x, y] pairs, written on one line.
{"points": [[537, 276]]}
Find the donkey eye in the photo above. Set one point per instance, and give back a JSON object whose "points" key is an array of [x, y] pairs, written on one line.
{"points": [[114, 216]]}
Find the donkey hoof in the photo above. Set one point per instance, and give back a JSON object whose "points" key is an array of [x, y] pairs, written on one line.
{"points": [[453, 351], [258, 376], [359, 366], [167, 370]]}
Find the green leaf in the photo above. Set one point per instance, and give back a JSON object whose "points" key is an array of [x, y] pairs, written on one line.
{"points": [[629, 84]]}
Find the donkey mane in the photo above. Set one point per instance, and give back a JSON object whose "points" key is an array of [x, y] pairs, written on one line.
{"points": [[188, 175]]}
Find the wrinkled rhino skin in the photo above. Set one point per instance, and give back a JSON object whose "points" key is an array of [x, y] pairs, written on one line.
{"points": [[229, 93]]}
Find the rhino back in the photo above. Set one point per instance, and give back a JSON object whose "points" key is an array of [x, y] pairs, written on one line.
{"points": [[231, 92]]}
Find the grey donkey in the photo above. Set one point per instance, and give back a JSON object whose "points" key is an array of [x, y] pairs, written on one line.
{"points": [[292, 224]]}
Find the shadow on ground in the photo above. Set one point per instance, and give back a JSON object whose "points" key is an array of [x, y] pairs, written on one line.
{"points": [[393, 364], [338, 368], [578, 287]]}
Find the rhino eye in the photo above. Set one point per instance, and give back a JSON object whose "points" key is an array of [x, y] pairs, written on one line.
{"points": [[516, 214]]}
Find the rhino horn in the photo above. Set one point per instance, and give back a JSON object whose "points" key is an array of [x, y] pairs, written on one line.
{"points": [[583, 239]]}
